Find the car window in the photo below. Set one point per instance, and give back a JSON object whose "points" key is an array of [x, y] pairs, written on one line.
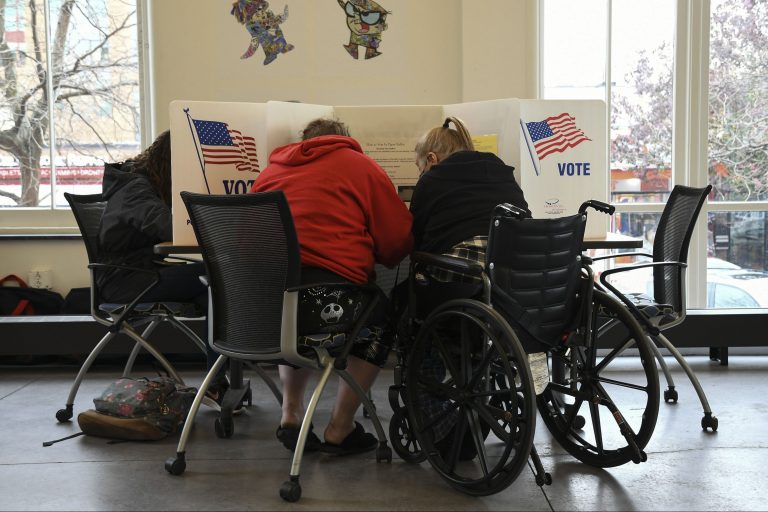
{"points": [[726, 296]]}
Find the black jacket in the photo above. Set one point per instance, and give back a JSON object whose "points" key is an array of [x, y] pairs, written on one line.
{"points": [[134, 220], [454, 200]]}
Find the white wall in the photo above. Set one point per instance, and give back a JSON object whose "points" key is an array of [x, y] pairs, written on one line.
{"points": [[434, 52]]}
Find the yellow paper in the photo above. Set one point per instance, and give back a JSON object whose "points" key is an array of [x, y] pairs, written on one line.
{"points": [[486, 143]]}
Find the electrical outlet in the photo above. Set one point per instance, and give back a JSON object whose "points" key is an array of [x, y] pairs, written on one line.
{"points": [[40, 278]]}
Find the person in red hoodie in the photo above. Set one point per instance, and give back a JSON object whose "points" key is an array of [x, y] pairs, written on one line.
{"points": [[348, 217]]}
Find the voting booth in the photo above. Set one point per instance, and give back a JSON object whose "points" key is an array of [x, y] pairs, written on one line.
{"points": [[558, 148]]}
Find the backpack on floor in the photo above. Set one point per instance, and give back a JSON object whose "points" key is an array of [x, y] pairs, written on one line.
{"points": [[138, 409]]}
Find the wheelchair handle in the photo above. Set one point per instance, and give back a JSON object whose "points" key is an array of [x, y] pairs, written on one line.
{"points": [[597, 205], [509, 210]]}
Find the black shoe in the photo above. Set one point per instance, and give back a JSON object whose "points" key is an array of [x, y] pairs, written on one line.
{"points": [[289, 436], [216, 392], [358, 441]]}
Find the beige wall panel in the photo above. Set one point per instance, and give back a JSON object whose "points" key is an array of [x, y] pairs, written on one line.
{"points": [[499, 49], [197, 44]]}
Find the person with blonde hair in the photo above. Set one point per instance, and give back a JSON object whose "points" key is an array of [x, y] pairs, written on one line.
{"points": [[452, 205], [457, 191]]}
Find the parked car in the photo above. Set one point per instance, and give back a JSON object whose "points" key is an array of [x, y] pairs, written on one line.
{"points": [[728, 285]]}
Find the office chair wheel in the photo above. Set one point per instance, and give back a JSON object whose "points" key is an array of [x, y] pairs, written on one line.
{"points": [[619, 407], [670, 395], [224, 427], [63, 415], [709, 421], [464, 356], [402, 437], [290, 491], [176, 465], [383, 453]]}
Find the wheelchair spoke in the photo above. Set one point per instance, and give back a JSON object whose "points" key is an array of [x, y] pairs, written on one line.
{"points": [[493, 422], [622, 384], [458, 439], [464, 354], [574, 411], [613, 354], [598, 431], [440, 389], [446, 357], [477, 439], [481, 368], [439, 417]]}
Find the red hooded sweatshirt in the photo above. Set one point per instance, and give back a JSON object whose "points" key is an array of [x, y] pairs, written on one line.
{"points": [[346, 211]]}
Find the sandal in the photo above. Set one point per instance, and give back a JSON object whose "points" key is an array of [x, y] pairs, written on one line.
{"points": [[289, 436], [358, 441]]}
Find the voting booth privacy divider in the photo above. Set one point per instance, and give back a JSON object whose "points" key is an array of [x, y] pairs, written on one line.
{"points": [[557, 147]]}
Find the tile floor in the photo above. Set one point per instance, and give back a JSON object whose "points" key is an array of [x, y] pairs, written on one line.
{"points": [[686, 469]]}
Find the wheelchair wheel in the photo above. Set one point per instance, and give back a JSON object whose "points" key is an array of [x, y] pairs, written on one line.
{"points": [[470, 399], [603, 412]]}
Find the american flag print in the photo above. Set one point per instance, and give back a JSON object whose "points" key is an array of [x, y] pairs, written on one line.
{"points": [[222, 145], [555, 134]]}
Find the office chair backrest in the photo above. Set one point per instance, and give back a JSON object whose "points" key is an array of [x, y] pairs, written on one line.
{"points": [[673, 236], [251, 254], [535, 267], [88, 209]]}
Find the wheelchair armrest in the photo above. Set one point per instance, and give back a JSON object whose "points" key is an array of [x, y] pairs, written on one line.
{"points": [[452, 263], [621, 254]]}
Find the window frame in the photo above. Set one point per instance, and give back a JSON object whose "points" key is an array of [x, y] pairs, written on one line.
{"points": [[58, 219], [690, 128]]}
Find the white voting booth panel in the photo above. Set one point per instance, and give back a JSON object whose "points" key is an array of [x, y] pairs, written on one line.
{"points": [[216, 148], [563, 158], [555, 183]]}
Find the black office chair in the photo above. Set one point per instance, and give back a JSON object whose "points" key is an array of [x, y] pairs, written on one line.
{"points": [[251, 253], [667, 307], [123, 318]]}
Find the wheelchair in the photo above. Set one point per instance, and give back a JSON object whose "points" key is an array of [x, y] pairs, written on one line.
{"points": [[463, 396]]}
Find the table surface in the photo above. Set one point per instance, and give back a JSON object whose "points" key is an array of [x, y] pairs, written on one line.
{"points": [[613, 241], [610, 241]]}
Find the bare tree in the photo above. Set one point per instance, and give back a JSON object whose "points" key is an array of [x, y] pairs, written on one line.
{"points": [[92, 73]]}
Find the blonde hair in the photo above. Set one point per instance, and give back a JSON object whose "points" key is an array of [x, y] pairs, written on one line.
{"points": [[444, 141]]}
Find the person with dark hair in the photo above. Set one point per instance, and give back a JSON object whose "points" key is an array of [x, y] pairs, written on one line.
{"points": [[138, 216], [348, 217]]}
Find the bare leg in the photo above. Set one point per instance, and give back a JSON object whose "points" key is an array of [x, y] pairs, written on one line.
{"points": [[294, 383], [347, 402]]}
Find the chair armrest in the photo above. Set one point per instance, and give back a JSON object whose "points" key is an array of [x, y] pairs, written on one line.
{"points": [[130, 307], [621, 254], [182, 259], [623, 298], [452, 263], [95, 266]]}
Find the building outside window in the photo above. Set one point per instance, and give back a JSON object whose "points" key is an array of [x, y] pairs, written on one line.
{"points": [[69, 96], [628, 58]]}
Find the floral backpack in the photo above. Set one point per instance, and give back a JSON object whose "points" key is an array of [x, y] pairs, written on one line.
{"points": [[138, 409]]}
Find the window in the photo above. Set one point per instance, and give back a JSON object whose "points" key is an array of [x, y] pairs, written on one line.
{"points": [[637, 48], [90, 49]]}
